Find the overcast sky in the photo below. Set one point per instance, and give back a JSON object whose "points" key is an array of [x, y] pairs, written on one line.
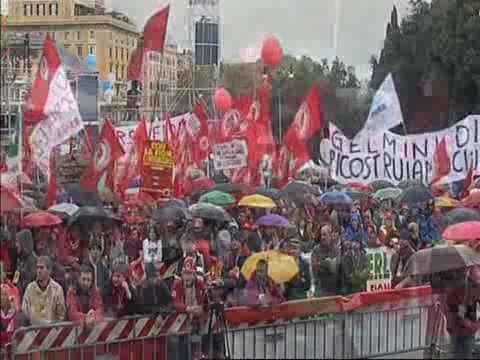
{"points": [[304, 26]]}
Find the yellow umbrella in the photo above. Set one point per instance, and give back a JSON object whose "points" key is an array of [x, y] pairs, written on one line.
{"points": [[257, 201], [445, 202], [281, 267]]}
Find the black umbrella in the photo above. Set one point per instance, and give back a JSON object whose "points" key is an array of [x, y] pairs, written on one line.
{"points": [[381, 184], [460, 215], [229, 188], [89, 214], [272, 193], [416, 194], [74, 193], [171, 212], [209, 212], [405, 184]]}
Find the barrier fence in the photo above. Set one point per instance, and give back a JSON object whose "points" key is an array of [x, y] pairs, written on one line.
{"points": [[362, 326]]}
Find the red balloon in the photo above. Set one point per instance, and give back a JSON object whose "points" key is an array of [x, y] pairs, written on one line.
{"points": [[223, 100], [272, 53]]}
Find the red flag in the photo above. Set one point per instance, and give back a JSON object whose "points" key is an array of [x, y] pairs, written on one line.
{"points": [[134, 71], [286, 163], [441, 162], [51, 196], [134, 159], [155, 30], [469, 182], [307, 122], [264, 123], [38, 95], [199, 127], [106, 152]]}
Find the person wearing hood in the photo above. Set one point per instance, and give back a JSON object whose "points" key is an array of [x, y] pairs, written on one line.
{"points": [[84, 303], [95, 259], [26, 262], [153, 294], [354, 231], [120, 296]]}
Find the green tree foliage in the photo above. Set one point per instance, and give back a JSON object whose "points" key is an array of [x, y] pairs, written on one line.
{"points": [[437, 43]]}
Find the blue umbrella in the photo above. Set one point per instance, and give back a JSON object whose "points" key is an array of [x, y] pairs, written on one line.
{"points": [[336, 198], [273, 220]]}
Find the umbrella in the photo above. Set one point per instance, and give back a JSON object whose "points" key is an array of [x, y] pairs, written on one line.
{"points": [[390, 193], [281, 267], [89, 214], [360, 187], [405, 184], [170, 212], [416, 194], [273, 220], [231, 188], [76, 194], [461, 232], [336, 198], [201, 184], [460, 215], [10, 200], [41, 219], [355, 194], [257, 201], [446, 202], [472, 201], [272, 193], [381, 184], [140, 198], [297, 187], [217, 198], [210, 212], [64, 208], [440, 259]]}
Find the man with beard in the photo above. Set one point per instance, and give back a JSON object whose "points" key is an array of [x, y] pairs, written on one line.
{"points": [[324, 264], [84, 303]]}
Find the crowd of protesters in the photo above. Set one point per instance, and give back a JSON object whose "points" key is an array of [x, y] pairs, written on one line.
{"points": [[86, 273]]}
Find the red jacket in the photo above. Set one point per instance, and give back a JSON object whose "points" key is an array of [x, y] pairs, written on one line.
{"points": [[6, 258], [178, 294], [74, 307]]}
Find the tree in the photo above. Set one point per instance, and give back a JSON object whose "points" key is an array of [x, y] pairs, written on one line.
{"points": [[436, 46]]}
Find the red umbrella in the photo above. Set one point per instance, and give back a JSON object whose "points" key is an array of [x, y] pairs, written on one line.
{"points": [[40, 219], [360, 187], [472, 201], [463, 232], [201, 184], [10, 200]]}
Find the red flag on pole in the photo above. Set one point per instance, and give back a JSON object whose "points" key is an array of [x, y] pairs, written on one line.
{"points": [[307, 122], [441, 162], [199, 129], [106, 152], [155, 30], [469, 182], [134, 71], [51, 196]]}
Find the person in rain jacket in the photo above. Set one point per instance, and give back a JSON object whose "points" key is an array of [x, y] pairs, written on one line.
{"points": [[27, 260], [297, 288], [261, 290], [354, 231], [428, 232]]}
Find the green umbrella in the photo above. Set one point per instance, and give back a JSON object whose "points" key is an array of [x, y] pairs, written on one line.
{"points": [[218, 198], [390, 193]]}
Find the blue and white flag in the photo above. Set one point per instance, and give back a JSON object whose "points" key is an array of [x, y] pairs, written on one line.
{"points": [[385, 111]]}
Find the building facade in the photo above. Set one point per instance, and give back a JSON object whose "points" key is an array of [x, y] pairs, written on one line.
{"points": [[83, 27]]}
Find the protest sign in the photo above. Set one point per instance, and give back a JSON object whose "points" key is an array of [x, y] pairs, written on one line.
{"points": [[230, 155], [394, 158], [380, 277], [158, 164]]}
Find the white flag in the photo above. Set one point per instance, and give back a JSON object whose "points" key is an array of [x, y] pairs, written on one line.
{"points": [[385, 111], [61, 119]]}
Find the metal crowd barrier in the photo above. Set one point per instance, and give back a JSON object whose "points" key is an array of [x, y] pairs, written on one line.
{"points": [[309, 329]]}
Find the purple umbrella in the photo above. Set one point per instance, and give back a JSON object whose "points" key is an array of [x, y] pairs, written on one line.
{"points": [[273, 220]]}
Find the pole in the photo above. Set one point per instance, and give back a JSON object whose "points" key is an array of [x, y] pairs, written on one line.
{"points": [[280, 117]]}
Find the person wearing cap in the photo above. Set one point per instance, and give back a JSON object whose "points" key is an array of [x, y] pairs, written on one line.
{"points": [[298, 287], [153, 295], [119, 296]]}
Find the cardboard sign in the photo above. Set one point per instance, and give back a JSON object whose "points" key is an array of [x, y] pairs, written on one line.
{"points": [[394, 158], [158, 165], [230, 155], [379, 260]]}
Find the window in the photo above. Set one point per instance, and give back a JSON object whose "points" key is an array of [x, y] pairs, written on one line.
{"points": [[116, 53], [110, 50], [38, 10], [79, 51], [55, 8], [25, 10], [67, 35], [111, 68], [50, 9], [44, 12], [79, 35], [92, 35], [91, 49]]}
